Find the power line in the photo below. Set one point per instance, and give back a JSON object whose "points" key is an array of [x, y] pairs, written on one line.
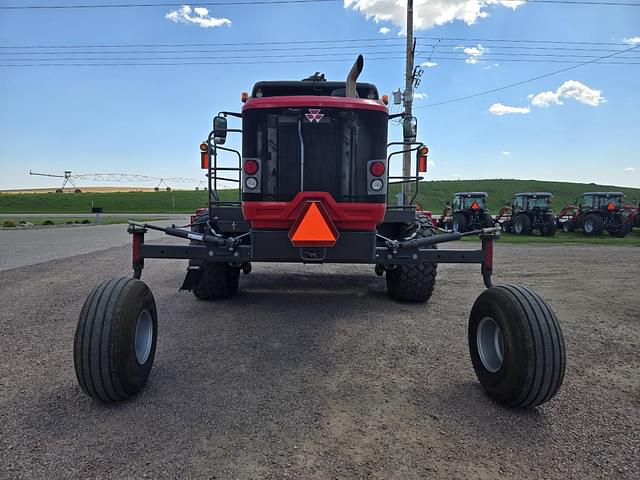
{"points": [[275, 2], [529, 80], [457, 49], [323, 41], [148, 61]]}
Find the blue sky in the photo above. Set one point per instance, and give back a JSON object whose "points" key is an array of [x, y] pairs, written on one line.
{"points": [[581, 125]]}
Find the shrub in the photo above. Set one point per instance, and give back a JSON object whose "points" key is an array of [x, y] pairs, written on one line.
{"points": [[9, 223], [85, 221], [47, 222]]}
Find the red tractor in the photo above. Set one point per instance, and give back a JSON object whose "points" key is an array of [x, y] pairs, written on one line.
{"points": [[314, 174], [597, 212]]}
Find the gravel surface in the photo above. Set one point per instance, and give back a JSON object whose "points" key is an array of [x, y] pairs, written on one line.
{"points": [[312, 372], [22, 247]]}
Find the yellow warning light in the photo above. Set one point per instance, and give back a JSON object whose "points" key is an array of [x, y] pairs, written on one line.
{"points": [[385, 99], [244, 96]]}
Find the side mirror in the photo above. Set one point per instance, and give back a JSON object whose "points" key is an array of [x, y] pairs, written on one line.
{"points": [[410, 129], [220, 129]]}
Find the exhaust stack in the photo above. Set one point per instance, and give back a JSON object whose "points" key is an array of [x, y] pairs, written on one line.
{"points": [[354, 73]]}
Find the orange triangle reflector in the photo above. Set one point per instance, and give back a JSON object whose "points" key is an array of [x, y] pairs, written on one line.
{"points": [[475, 206], [313, 228]]}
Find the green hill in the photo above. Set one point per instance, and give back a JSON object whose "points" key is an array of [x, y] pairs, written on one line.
{"points": [[433, 196]]}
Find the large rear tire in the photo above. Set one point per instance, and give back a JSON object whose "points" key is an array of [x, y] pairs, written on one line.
{"points": [[516, 346], [217, 281], [115, 340], [522, 224], [459, 223], [593, 225], [487, 221], [413, 282], [549, 226], [622, 228]]}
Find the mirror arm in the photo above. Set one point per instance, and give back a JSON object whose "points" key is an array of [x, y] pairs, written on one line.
{"points": [[231, 114]]}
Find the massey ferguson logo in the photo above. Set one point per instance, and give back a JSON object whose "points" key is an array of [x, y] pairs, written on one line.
{"points": [[314, 115]]}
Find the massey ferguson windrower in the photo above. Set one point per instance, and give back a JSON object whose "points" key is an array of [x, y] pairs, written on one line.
{"points": [[314, 174]]}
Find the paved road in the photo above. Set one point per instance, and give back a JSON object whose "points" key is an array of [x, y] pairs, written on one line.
{"points": [[312, 372], [22, 247]]}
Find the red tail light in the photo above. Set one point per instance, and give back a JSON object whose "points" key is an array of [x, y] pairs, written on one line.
{"points": [[250, 167], [204, 160], [377, 169], [422, 158]]}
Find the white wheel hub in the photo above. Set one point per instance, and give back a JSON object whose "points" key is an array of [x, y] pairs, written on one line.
{"points": [[143, 337], [490, 344]]}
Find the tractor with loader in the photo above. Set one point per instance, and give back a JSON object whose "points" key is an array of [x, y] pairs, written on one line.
{"points": [[314, 172], [466, 212], [597, 212], [528, 211]]}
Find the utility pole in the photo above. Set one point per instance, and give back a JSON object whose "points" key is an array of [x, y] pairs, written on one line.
{"points": [[408, 100]]}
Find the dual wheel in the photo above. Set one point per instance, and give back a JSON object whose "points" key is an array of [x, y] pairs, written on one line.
{"points": [[515, 343]]}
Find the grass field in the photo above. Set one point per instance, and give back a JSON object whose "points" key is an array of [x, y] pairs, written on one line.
{"points": [[573, 238], [433, 196]]}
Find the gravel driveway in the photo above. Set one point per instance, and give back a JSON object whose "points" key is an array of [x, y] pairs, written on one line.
{"points": [[312, 372]]}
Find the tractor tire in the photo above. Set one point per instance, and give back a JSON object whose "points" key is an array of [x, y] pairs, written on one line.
{"points": [[218, 281], [622, 229], [413, 282], [522, 225], [548, 227], [593, 225], [487, 221], [568, 226], [459, 223], [115, 340], [516, 346]]}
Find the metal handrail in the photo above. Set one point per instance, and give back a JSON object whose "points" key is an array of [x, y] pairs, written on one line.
{"points": [[413, 146]]}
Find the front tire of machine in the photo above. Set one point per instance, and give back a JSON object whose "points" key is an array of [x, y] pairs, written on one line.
{"points": [[115, 339], [413, 282], [516, 346], [217, 281]]}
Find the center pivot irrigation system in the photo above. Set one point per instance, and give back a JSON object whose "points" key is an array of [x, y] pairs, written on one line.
{"points": [[69, 178], [314, 182]]}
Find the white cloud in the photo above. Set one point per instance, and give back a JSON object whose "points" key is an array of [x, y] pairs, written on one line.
{"points": [[196, 16], [420, 96], [384, 30], [426, 14], [431, 164], [506, 153], [457, 176], [569, 89], [629, 169], [474, 53], [428, 64], [632, 40], [501, 109]]}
